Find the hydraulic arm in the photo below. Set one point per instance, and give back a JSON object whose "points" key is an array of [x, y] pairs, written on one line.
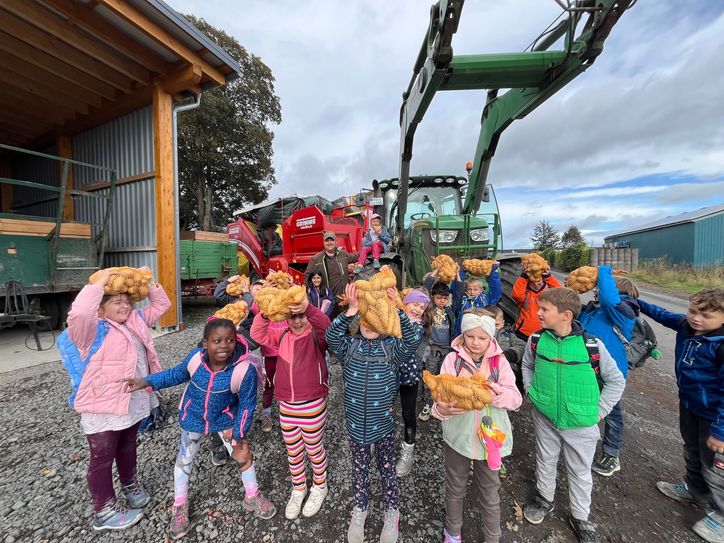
{"points": [[532, 76]]}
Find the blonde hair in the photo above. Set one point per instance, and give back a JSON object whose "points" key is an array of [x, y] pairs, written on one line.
{"points": [[472, 280]]}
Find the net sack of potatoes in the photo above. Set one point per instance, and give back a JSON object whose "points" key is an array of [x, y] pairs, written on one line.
{"points": [[478, 267], [279, 279], [467, 392], [274, 302], [131, 281], [235, 312], [583, 279], [377, 311], [446, 266], [237, 288], [537, 265]]}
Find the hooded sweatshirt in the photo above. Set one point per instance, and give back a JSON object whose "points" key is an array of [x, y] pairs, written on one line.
{"points": [[460, 431]]}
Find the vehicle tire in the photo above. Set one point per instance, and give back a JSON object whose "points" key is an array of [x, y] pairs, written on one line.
{"points": [[369, 271], [50, 308]]}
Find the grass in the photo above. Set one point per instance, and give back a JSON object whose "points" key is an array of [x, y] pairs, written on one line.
{"points": [[682, 277]]}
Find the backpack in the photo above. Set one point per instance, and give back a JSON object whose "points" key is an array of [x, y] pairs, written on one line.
{"points": [[594, 356], [237, 375], [74, 364], [642, 344]]}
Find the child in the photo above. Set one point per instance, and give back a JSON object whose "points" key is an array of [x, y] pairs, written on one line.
{"points": [[511, 344], [301, 387], [369, 371], [417, 307], [611, 318], [562, 367], [220, 397], [699, 369], [525, 294], [320, 296], [375, 241], [442, 333], [475, 351], [468, 292], [113, 339]]}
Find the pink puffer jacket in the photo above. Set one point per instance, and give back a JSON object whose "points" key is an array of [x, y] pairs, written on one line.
{"points": [[100, 389]]}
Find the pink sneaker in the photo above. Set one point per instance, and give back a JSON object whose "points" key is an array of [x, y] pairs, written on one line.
{"points": [[260, 506], [452, 538]]}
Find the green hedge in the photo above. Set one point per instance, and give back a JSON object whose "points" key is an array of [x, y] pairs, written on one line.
{"points": [[567, 259]]}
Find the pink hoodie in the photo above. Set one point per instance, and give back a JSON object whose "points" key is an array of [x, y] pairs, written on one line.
{"points": [[100, 389]]}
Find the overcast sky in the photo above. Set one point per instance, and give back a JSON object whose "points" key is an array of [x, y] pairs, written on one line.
{"points": [[638, 137]]}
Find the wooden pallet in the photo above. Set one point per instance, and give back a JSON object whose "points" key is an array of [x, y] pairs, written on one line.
{"points": [[21, 227], [200, 235]]}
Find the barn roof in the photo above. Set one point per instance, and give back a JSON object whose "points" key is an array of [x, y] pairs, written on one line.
{"points": [[690, 216]]}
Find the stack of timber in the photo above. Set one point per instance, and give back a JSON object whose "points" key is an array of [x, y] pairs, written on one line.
{"points": [[22, 227], [200, 235]]}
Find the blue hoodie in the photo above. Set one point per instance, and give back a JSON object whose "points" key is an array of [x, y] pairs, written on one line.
{"points": [[699, 366], [612, 309], [208, 405]]}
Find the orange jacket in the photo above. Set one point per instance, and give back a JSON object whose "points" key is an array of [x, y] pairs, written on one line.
{"points": [[527, 300]]}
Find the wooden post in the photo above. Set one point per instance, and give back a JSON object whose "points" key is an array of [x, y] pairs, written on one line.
{"points": [[64, 148], [6, 191], [165, 215]]}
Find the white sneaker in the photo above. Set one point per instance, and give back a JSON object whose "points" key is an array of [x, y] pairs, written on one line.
{"points": [[356, 531], [390, 529], [314, 502], [425, 413], [404, 464], [294, 505]]}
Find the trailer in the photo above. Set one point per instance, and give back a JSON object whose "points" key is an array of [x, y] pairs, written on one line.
{"points": [[206, 258]]}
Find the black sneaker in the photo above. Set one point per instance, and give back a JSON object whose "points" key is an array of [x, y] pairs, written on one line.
{"points": [[585, 531], [537, 509], [219, 456], [606, 465]]}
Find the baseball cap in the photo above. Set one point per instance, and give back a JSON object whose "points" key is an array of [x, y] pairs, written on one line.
{"points": [[375, 216], [328, 235]]}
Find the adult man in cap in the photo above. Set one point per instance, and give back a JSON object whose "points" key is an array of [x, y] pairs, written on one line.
{"points": [[331, 264]]}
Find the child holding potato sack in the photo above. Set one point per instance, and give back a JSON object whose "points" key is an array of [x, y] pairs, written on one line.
{"points": [[370, 366], [525, 293], [220, 395], [468, 293], [475, 352], [108, 340]]}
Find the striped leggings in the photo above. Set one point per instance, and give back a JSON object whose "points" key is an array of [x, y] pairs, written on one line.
{"points": [[302, 425]]}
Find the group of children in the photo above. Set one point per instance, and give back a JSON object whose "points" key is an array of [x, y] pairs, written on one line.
{"points": [[569, 376]]}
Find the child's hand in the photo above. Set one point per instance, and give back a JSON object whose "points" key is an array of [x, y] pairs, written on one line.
{"points": [[131, 385], [151, 283], [449, 409], [103, 276], [377, 229], [524, 266], [299, 309], [233, 278], [352, 300], [227, 435], [716, 445], [392, 294]]}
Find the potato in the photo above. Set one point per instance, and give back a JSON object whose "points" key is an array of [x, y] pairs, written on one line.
{"points": [[478, 267], [468, 392], [377, 311], [446, 266], [583, 279], [131, 281]]}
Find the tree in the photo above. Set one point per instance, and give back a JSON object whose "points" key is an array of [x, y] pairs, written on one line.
{"points": [[225, 145], [572, 237], [544, 236]]}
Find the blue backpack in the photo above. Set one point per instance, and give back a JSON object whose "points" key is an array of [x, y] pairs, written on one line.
{"points": [[74, 364]]}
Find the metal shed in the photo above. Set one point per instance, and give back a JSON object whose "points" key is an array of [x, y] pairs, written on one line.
{"points": [[696, 238], [101, 81]]}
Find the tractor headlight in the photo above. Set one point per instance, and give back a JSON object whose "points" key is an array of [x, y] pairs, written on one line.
{"points": [[444, 236], [479, 234]]}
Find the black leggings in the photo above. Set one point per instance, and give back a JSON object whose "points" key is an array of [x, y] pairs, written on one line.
{"points": [[408, 399]]}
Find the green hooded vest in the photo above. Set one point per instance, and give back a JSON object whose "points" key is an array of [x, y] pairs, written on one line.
{"points": [[565, 387]]}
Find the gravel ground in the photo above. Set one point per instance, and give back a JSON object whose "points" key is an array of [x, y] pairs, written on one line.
{"points": [[43, 495]]}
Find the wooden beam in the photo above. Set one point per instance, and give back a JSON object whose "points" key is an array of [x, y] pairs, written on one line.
{"points": [[165, 213], [36, 58], [67, 88], [163, 37], [25, 117], [39, 39], [82, 16], [61, 29], [15, 132], [64, 148], [186, 78], [35, 88], [34, 101], [6, 191]]}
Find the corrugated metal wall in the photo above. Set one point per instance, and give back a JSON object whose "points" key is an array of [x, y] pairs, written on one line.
{"points": [[37, 170], [673, 242], [709, 241], [125, 144]]}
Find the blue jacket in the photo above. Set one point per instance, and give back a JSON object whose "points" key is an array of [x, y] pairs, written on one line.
{"points": [[699, 366], [208, 405], [317, 295], [461, 302], [384, 238], [225, 299], [370, 376], [612, 309]]}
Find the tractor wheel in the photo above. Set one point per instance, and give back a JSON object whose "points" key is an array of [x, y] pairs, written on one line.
{"points": [[369, 271]]}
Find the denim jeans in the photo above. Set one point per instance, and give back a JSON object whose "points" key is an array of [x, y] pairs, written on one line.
{"points": [[613, 430], [703, 478]]}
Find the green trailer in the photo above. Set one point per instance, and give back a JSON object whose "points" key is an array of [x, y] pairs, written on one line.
{"points": [[204, 263], [45, 260]]}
